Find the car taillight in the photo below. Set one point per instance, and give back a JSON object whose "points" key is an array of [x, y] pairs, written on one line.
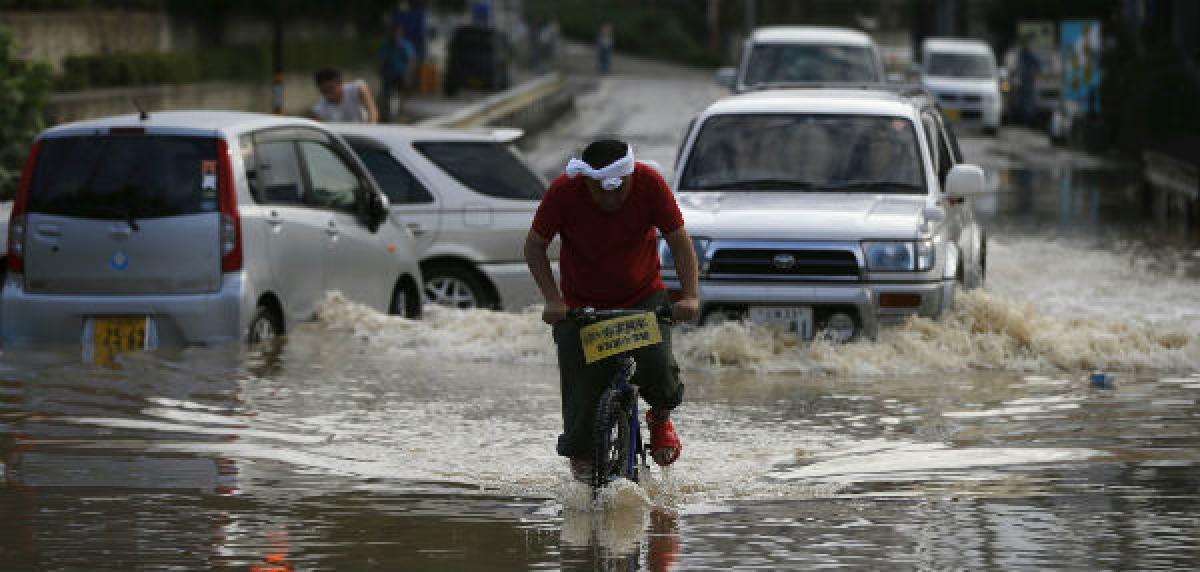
{"points": [[231, 226], [16, 223]]}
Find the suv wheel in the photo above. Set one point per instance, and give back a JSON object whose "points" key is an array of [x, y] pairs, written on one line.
{"points": [[264, 327], [457, 287]]}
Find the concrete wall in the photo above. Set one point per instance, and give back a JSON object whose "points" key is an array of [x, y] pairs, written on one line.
{"points": [[52, 36], [299, 95]]}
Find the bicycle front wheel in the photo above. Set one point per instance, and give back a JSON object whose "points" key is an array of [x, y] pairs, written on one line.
{"points": [[612, 449]]}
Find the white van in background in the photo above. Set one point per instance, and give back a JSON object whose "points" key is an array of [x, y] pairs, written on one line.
{"points": [[962, 77], [783, 56]]}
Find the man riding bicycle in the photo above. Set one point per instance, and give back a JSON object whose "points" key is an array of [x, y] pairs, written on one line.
{"points": [[606, 208]]}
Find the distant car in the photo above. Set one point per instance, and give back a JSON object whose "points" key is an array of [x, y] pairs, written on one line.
{"points": [[962, 77], [478, 58], [827, 210], [805, 55], [468, 197], [195, 228]]}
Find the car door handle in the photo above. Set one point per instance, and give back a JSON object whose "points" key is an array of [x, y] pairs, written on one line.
{"points": [[49, 230], [415, 228]]}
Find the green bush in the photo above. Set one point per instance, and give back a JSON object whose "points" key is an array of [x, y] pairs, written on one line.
{"points": [[230, 63], [656, 32], [23, 91]]}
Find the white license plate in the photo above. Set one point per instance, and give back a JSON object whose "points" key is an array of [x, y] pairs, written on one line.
{"points": [[795, 319]]}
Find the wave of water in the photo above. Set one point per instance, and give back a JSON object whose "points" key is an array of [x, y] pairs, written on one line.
{"points": [[1048, 306]]}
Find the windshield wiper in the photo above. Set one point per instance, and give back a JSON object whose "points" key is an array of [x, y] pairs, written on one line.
{"points": [[894, 186], [759, 184]]}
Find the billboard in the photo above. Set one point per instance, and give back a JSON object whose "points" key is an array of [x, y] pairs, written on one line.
{"points": [[1080, 44]]}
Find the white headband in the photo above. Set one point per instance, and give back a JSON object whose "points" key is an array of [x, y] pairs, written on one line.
{"points": [[609, 176]]}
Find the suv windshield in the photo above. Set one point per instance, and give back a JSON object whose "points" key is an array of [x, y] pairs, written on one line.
{"points": [[959, 65], [487, 168], [799, 63], [125, 176], [801, 152]]}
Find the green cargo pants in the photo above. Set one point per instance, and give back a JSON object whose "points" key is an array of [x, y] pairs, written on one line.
{"points": [[657, 378]]}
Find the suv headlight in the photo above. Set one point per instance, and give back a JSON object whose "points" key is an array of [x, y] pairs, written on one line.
{"points": [[900, 256], [666, 260]]}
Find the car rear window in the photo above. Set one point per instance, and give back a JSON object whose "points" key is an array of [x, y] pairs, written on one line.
{"points": [[487, 168], [124, 176], [801, 63]]}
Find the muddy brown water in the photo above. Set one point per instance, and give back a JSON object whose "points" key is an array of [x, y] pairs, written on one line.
{"points": [[364, 442]]}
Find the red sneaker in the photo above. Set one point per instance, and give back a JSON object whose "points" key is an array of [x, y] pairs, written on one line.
{"points": [[664, 443]]}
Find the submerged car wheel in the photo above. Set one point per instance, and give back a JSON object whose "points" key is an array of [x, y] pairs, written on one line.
{"points": [[457, 287], [265, 326]]}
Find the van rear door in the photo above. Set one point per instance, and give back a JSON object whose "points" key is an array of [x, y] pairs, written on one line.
{"points": [[124, 214]]}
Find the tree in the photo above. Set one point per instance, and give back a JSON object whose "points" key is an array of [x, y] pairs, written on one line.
{"points": [[23, 90]]}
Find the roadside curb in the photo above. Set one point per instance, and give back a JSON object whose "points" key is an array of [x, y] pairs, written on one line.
{"points": [[531, 106]]}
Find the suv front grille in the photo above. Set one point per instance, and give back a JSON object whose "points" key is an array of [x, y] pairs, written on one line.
{"points": [[784, 263]]}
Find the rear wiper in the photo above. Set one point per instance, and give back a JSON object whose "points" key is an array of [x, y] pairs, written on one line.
{"points": [[759, 184], [125, 213], [873, 186]]}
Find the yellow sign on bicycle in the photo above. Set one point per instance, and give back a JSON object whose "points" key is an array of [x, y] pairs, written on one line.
{"points": [[619, 335]]}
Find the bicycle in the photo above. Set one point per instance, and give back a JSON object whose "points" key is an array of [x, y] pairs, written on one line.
{"points": [[618, 443]]}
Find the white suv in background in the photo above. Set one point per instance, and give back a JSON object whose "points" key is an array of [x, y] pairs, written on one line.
{"points": [[962, 77], [782, 56], [468, 197], [833, 210], [195, 227]]}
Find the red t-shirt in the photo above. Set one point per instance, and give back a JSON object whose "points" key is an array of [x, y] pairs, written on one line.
{"points": [[608, 260]]}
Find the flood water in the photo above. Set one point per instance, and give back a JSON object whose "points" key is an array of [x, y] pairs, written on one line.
{"points": [[366, 442]]}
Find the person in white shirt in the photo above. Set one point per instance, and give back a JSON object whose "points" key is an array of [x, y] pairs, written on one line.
{"points": [[348, 102]]}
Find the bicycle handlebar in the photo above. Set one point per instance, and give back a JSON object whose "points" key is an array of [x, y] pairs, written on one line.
{"points": [[594, 315]]}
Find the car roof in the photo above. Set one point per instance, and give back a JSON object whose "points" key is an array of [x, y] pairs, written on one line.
{"points": [[394, 134], [209, 122], [833, 101], [810, 35], [957, 45]]}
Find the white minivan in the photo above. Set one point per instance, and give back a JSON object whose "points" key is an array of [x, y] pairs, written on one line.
{"points": [[195, 227], [800, 56], [962, 77]]}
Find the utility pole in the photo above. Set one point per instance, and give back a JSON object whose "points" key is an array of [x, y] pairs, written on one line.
{"points": [[277, 59], [750, 16], [714, 25]]}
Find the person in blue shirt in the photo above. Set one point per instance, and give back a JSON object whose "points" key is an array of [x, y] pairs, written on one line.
{"points": [[397, 58]]}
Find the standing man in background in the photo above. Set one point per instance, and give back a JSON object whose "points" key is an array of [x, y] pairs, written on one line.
{"points": [[397, 59]]}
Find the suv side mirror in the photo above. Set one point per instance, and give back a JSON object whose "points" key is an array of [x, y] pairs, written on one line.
{"points": [[964, 181], [727, 77], [378, 211]]}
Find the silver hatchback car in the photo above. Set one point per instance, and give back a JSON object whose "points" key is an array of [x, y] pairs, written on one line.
{"points": [[195, 228]]}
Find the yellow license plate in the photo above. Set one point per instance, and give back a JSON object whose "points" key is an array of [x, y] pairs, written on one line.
{"points": [[951, 113], [115, 335], [619, 335]]}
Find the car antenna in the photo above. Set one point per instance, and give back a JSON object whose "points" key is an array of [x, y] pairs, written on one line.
{"points": [[142, 115]]}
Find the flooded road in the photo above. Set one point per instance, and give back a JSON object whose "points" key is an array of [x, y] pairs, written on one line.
{"points": [[365, 442]]}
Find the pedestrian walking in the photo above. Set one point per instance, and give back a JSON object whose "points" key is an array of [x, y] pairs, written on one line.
{"points": [[604, 48]]}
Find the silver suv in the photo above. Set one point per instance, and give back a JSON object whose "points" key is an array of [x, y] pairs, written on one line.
{"points": [[834, 210], [195, 228], [468, 197]]}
